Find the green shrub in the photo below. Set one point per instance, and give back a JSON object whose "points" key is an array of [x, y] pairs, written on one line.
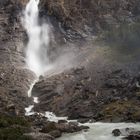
{"points": [[13, 134], [6, 121], [13, 128]]}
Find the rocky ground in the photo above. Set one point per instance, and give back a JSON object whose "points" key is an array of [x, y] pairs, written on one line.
{"points": [[128, 133], [100, 90], [102, 83]]}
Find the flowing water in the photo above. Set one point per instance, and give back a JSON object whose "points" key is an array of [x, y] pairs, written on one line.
{"points": [[37, 60], [38, 34], [100, 131], [36, 50]]}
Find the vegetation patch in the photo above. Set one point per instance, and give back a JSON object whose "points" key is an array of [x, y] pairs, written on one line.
{"points": [[13, 128], [125, 110]]}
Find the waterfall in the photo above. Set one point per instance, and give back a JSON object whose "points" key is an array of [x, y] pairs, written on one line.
{"points": [[38, 34], [36, 50], [37, 61]]}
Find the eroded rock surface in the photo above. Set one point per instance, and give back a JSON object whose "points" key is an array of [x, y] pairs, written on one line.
{"points": [[105, 14], [99, 91], [15, 79]]}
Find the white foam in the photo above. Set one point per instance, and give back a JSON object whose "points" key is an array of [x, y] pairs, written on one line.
{"points": [[53, 118], [31, 87], [36, 100], [100, 131], [29, 111]]}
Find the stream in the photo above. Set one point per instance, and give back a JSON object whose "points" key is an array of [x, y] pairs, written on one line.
{"points": [[100, 131]]}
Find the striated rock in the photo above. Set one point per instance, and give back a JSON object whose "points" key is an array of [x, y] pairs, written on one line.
{"points": [[49, 126], [134, 135], [70, 127], [92, 93], [83, 120], [105, 15], [62, 121]]}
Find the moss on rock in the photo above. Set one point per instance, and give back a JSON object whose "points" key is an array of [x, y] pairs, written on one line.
{"points": [[122, 110], [13, 128]]}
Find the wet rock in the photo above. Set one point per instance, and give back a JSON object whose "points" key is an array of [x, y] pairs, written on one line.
{"points": [[49, 126], [55, 133], [106, 15], [128, 133], [116, 132], [70, 127], [62, 121], [83, 120], [11, 108], [134, 135]]}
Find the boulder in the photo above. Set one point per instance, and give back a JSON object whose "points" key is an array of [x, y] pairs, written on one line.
{"points": [[116, 132], [55, 133]]}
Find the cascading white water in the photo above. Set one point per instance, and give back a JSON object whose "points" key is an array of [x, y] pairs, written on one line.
{"points": [[38, 34], [36, 52], [36, 59], [100, 131]]}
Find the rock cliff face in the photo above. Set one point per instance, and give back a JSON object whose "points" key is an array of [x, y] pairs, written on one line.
{"points": [[99, 86], [99, 90], [104, 84], [92, 16], [71, 19], [15, 79]]}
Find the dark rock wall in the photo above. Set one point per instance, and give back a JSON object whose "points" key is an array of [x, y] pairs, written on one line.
{"points": [[15, 79], [97, 14], [11, 37]]}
